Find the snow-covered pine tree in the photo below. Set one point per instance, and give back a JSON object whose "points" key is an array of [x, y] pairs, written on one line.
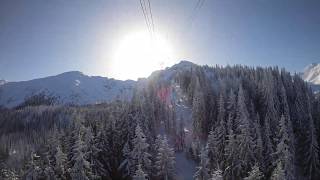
{"points": [[126, 163], [34, 171], [267, 148], [255, 174], [165, 160], [258, 143], [198, 111], [231, 108], [216, 175], [278, 173], [203, 172], [140, 154], [60, 166], [231, 153], [81, 169], [311, 160], [220, 133], [283, 150], [158, 141], [51, 147], [92, 151], [212, 154], [139, 174], [217, 139], [245, 141], [285, 110]]}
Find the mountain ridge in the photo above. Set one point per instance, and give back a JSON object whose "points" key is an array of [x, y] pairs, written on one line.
{"points": [[75, 87], [72, 87]]}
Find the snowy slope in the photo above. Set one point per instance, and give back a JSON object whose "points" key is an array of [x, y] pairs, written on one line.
{"points": [[312, 73], [70, 87]]}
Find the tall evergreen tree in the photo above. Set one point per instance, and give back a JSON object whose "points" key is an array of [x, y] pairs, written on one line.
{"points": [[140, 150], [165, 160], [231, 150], [216, 175], [278, 173], [60, 166], [139, 174], [198, 111], [255, 174], [245, 141], [283, 151], [203, 172], [81, 169], [311, 161]]}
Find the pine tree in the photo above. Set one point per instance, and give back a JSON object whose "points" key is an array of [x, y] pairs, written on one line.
{"points": [[198, 111], [34, 171], [126, 163], [255, 174], [267, 148], [220, 133], [81, 169], [216, 175], [258, 143], [91, 151], [311, 162], [165, 160], [278, 173], [283, 150], [212, 153], [158, 142], [231, 150], [139, 152], [60, 168], [202, 172], [139, 175], [245, 140]]}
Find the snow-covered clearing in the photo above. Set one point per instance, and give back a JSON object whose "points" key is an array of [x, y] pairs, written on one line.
{"points": [[185, 168]]}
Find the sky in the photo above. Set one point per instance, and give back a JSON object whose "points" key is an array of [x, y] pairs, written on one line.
{"points": [[40, 38]]}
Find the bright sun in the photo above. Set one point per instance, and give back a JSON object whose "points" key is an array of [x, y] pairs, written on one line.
{"points": [[139, 54]]}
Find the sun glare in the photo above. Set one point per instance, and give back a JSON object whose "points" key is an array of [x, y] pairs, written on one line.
{"points": [[138, 54]]}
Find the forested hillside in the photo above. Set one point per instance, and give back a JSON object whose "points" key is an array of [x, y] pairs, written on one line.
{"points": [[245, 123]]}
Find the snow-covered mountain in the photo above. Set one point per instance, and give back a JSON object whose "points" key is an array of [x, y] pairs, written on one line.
{"points": [[77, 88], [311, 73], [2, 82], [70, 87]]}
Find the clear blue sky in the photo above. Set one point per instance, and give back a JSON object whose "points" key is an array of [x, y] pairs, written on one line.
{"points": [[41, 37]]}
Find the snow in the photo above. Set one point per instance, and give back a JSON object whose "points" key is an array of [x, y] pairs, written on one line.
{"points": [[77, 82], [312, 73], [2, 82], [71, 87], [185, 167], [74, 87], [170, 72]]}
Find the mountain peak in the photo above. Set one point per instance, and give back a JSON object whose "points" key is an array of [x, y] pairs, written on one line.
{"points": [[184, 63], [72, 73]]}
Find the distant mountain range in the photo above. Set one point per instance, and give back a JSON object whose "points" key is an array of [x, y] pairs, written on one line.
{"points": [[69, 88], [77, 88]]}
